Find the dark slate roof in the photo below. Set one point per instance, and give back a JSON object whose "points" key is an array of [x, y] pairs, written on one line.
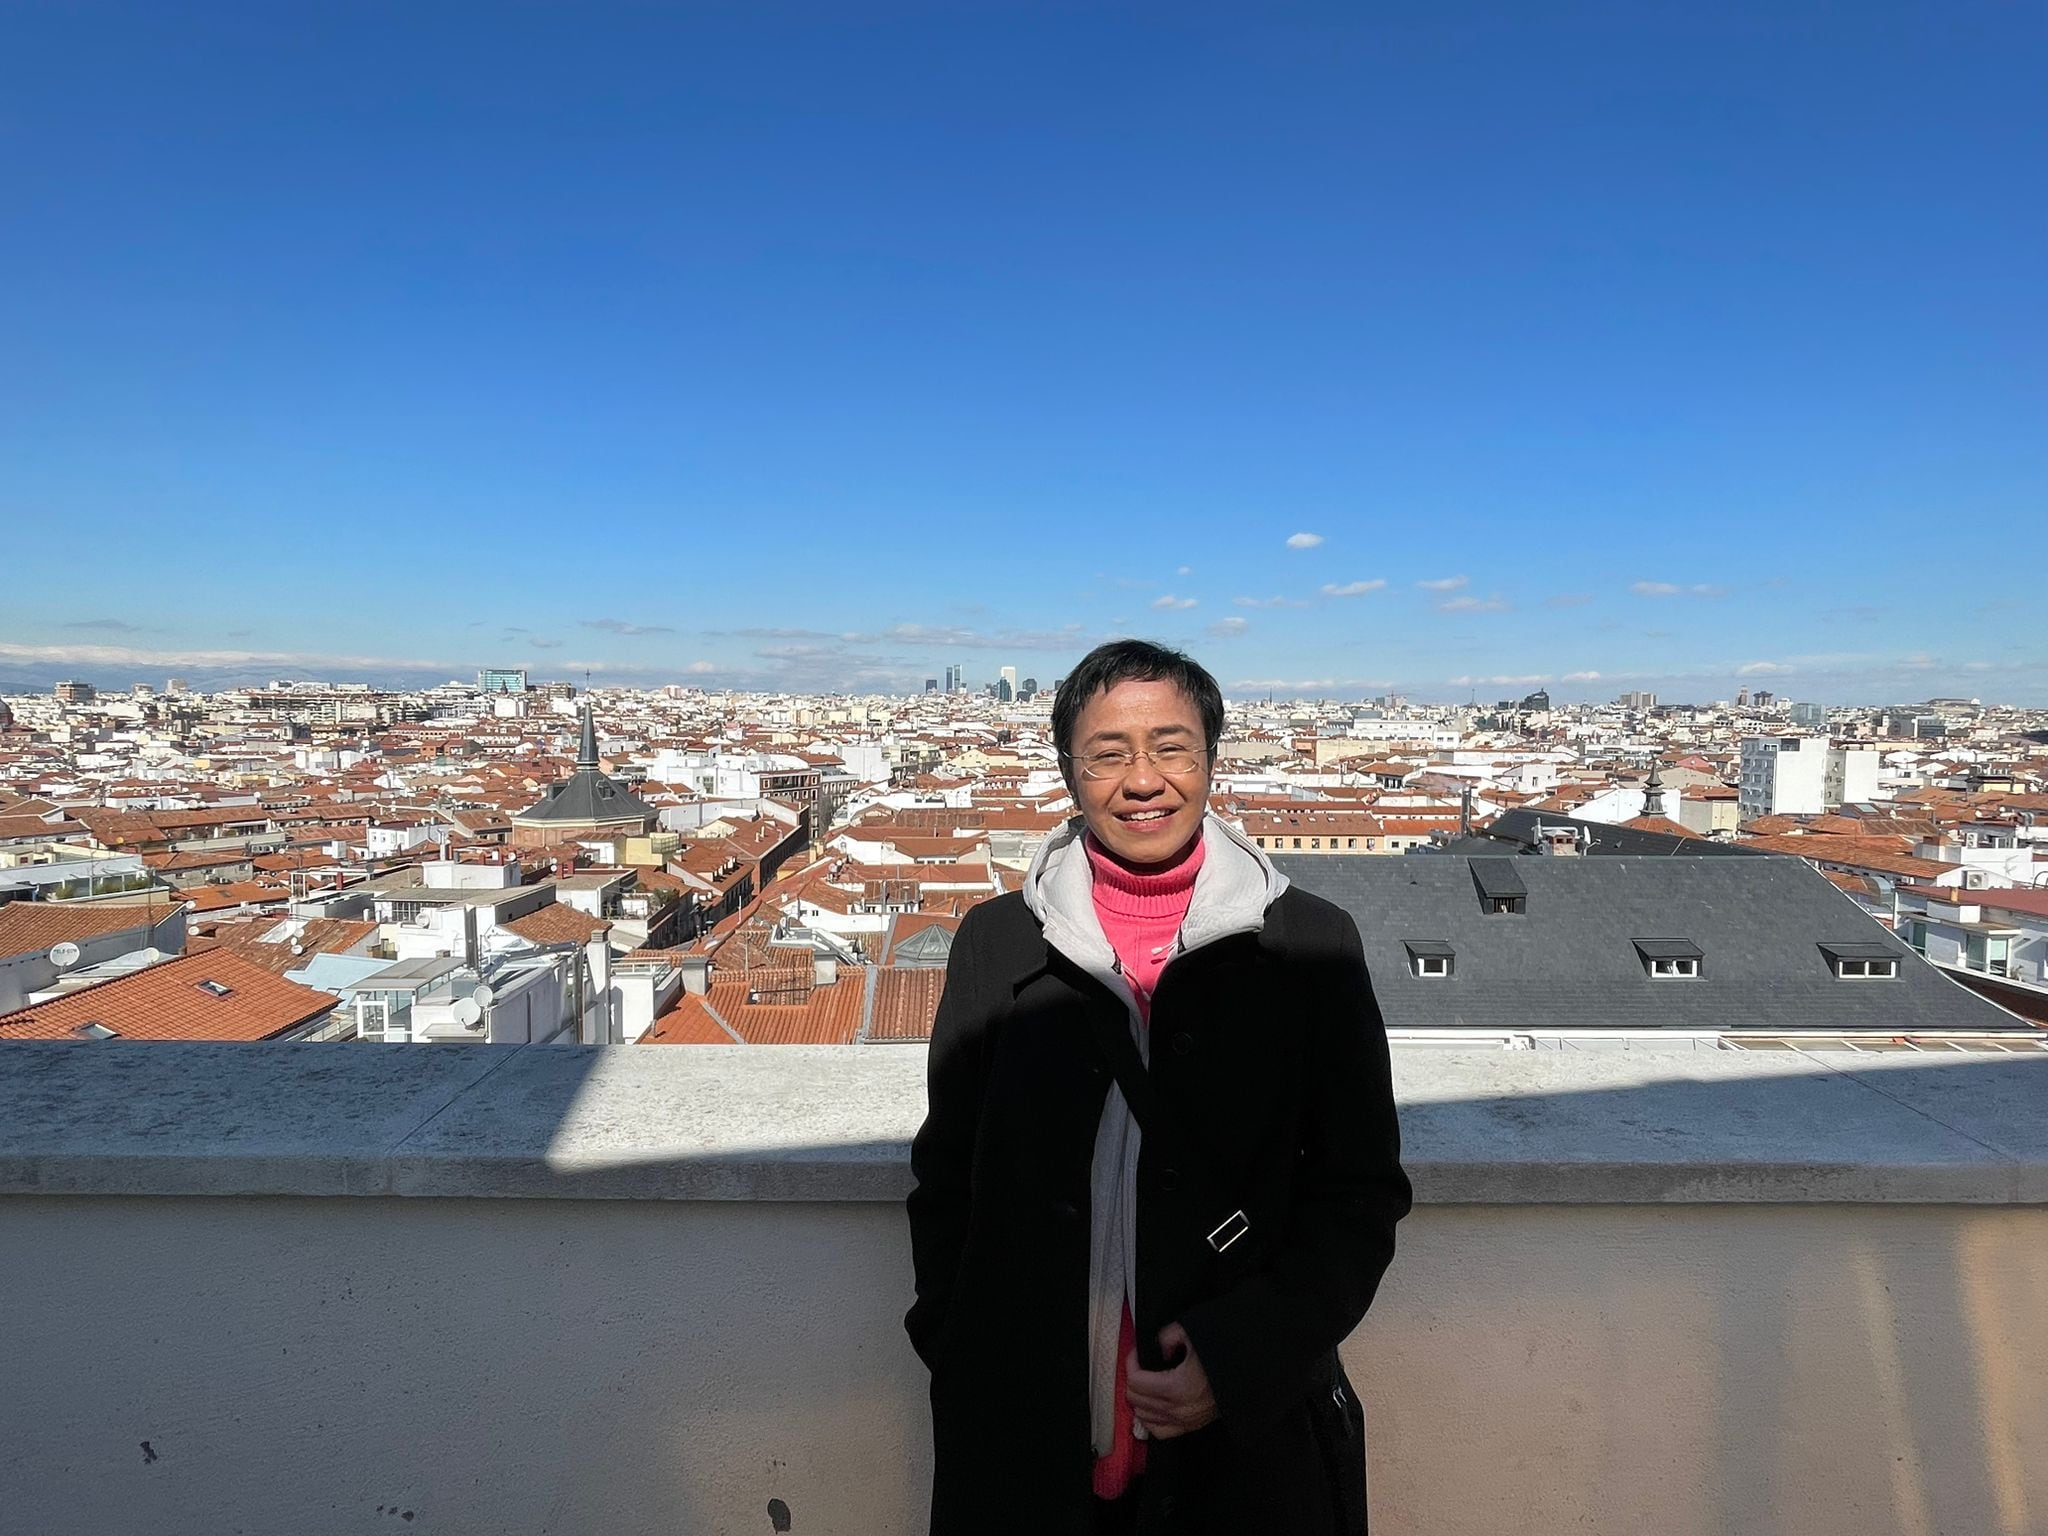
{"points": [[586, 798], [1518, 827], [1576, 959]]}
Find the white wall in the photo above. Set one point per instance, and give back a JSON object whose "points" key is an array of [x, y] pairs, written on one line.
{"points": [[1688, 1370]]}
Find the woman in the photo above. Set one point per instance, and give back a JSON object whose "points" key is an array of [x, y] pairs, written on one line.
{"points": [[1159, 1176]]}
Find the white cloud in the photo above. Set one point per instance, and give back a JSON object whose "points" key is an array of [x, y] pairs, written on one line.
{"points": [[1468, 604], [1707, 589], [1582, 677], [1443, 584], [1654, 589], [1528, 680], [1270, 602], [701, 667], [1761, 669], [1185, 570], [1352, 588], [133, 656], [1304, 540], [1230, 628], [1918, 661], [1174, 604]]}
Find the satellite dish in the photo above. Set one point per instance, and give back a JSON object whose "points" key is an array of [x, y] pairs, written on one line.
{"points": [[151, 955], [468, 1013], [483, 996], [64, 955]]}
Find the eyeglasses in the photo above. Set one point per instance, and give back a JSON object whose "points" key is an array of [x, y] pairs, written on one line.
{"points": [[1172, 760]]}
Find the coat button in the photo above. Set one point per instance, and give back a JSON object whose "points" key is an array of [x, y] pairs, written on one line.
{"points": [[1169, 1179], [1183, 1043]]}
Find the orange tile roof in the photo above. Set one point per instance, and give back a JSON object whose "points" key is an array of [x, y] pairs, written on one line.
{"points": [[1876, 853], [906, 1001], [18, 828], [830, 1015], [242, 893], [688, 1022], [30, 927], [557, 924], [169, 1002], [321, 936]]}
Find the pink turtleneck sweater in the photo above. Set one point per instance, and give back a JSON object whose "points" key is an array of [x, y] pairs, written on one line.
{"points": [[1141, 917]]}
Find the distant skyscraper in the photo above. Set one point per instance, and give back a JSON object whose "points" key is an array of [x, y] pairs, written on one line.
{"points": [[174, 685], [75, 693], [1009, 679], [931, 685], [1030, 687], [501, 680], [1004, 692]]}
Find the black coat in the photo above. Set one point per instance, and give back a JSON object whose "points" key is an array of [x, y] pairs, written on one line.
{"points": [[1269, 1051]]}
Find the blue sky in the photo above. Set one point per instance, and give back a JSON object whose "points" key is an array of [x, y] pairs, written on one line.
{"points": [[1436, 346]]}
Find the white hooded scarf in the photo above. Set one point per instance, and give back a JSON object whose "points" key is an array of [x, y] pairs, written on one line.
{"points": [[1233, 888]]}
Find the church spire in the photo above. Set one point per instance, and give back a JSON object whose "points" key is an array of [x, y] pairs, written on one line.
{"points": [[586, 752], [1653, 791]]}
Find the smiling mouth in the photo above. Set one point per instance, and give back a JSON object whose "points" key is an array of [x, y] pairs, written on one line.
{"points": [[1142, 817]]}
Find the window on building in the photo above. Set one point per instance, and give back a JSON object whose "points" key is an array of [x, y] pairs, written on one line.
{"points": [[1432, 959], [1862, 960], [1500, 886], [1669, 959]]}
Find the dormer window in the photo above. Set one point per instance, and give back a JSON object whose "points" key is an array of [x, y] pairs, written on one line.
{"points": [[1862, 960], [1500, 887], [1669, 959], [1432, 959]]}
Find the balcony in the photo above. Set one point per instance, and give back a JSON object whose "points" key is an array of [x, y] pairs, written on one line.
{"points": [[356, 1287]]}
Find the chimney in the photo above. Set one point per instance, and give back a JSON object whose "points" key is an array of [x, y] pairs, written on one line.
{"points": [[696, 971]]}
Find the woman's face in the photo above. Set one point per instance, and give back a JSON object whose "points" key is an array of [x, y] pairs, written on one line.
{"points": [[1142, 816]]}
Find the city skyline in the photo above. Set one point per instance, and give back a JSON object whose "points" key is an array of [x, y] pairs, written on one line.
{"points": [[798, 351]]}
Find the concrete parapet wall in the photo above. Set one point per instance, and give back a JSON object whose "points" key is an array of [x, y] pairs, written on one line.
{"points": [[317, 1289]]}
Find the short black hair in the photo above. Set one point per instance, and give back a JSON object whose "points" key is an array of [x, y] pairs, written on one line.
{"points": [[1141, 661]]}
